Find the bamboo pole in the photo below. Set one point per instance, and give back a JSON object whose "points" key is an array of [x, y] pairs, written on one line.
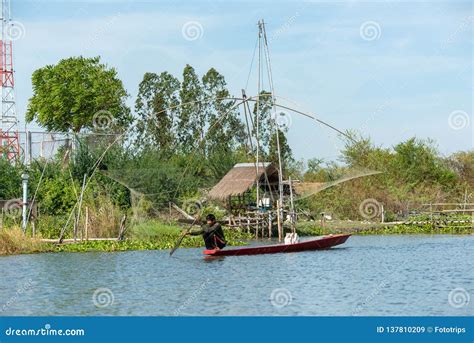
{"points": [[256, 229], [257, 221], [292, 214], [63, 230], [181, 211], [280, 233], [122, 228], [76, 223], [269, 224], [86, 226]]}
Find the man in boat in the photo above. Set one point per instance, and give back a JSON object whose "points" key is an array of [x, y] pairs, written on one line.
{"points": [[212, 233]]}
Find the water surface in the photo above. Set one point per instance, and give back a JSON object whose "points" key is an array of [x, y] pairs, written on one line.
{"points": [[368, 275]]}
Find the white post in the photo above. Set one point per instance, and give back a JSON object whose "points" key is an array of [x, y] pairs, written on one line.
{"points": [[292, 205], [24, 178], [28, 153]]}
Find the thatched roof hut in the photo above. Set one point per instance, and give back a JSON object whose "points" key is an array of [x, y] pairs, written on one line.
{"points": [[242, 177]]}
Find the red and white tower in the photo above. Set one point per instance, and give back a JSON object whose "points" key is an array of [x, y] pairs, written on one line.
{"points": [[9, 139]]}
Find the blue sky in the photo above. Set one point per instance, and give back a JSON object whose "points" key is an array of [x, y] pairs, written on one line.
{"points": [[391, 70]]}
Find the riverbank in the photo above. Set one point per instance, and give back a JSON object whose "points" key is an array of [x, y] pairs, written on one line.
{"points": [[370, 228], [146, 236], [155, 235]]}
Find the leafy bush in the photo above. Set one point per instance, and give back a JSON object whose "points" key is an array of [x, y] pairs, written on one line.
{"points": [[10, 180]]}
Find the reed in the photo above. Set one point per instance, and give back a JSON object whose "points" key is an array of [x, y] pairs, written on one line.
{"points": [[14, 241]]}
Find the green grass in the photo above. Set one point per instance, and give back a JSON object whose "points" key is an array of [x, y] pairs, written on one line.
{"points": [[417, 229], [314, 229], [150, 235], [155, 235], [153, 229], [13, 241]]}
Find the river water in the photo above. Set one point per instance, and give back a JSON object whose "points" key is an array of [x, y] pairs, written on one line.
{"points": [[368, 275]]}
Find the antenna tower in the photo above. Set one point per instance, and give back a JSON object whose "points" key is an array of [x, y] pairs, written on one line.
{"points": [[9, 138]]}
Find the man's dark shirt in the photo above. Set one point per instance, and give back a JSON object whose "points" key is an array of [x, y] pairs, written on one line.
{"points": [[213, 235]]}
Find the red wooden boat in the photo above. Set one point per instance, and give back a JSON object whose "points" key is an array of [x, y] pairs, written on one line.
{"points": [[314, 244]]}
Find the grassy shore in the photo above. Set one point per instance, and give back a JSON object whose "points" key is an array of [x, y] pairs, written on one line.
{"points": [[368, 228], [154, 235], [146, 236], [13, 241]]}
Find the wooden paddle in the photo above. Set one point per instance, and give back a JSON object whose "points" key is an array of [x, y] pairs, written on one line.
{"points": [[178, 243]]}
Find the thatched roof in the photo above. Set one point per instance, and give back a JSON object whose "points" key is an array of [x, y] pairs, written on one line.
{"points": [[241, 178]]}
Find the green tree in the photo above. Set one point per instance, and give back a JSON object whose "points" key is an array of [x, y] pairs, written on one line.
{"points": [[462, 163], [320, 171], [285, 151], [77, 93], [157, 107], [225, 131], [417, 161], [265, 120], [10, 180], [57, 191], [192, 119]]}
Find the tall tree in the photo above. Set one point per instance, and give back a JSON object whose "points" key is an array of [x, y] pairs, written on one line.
{"points": [[285, 151], [157, 107], [267, 130], [265, 120], [192, 119], [417, 161], [225, 130], [78, 93], [462, 162]]}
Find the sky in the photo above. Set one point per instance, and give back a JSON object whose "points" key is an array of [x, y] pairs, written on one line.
{"points": [[390, 70]]}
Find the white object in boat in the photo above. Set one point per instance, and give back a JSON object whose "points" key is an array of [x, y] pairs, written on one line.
{"points": [[291, 238]]}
